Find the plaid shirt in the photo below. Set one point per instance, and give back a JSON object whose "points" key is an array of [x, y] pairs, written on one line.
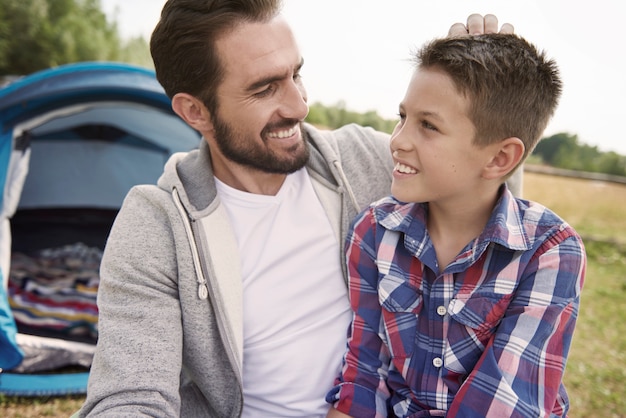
{"points": [[487, 337]]}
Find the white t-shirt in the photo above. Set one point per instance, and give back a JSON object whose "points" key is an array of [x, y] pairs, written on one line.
{"points": [[296, 309]]}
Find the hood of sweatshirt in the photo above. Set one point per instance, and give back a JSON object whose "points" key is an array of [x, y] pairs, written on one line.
{"points": [[191, 173]]}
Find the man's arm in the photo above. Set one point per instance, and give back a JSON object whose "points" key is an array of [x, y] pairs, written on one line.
{"points": [[136, 368]]}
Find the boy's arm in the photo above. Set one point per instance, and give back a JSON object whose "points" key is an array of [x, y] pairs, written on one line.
{"points": [[333, 413], [520, 371], [361, 390]]}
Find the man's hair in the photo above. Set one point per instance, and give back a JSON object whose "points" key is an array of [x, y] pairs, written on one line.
{"points": [[183, 42], [512, 88]]}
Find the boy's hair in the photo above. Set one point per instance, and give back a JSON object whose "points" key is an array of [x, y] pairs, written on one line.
{"points": [[183, 42], [512, 88]]}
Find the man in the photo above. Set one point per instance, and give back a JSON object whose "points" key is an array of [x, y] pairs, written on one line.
{"points": [[225, 284]]}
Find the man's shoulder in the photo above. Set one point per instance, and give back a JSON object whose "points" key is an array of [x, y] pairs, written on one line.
{"points": [[353, 141], [347, 133]]}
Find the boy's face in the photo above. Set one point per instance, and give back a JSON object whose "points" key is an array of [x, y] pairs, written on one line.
{"points": [[435, 158]]}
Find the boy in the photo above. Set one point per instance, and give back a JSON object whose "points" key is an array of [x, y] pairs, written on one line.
{"points": [[464, 297]]}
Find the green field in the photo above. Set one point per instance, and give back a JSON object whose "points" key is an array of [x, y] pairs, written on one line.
{"points": [[596, 371]]}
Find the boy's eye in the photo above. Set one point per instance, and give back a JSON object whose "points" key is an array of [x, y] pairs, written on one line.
{"points": [[428, 125]]}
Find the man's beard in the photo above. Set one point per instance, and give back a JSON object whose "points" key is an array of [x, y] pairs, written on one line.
{"points": [[239, 149]]}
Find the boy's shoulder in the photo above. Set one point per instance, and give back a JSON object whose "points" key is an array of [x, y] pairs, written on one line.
{"points": [[539, 223], [535, 212]]}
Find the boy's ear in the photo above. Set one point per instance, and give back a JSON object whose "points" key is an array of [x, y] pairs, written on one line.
{"points": [[192, 111], [508, 154]]}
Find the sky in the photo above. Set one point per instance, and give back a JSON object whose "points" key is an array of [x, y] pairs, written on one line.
{"points": [[358, 51]]}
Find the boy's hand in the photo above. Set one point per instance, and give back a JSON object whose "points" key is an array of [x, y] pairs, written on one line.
{"points": [[477, 25]]}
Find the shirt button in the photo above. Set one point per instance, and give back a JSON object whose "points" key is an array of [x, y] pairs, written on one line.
{"points": [[437, 362], [441, 310]]}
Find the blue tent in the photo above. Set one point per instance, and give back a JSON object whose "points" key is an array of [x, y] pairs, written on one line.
{"points": [[73, 140]]}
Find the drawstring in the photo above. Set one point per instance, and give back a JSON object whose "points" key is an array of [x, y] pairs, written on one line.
{"points": [[347, 185], [203, 291]]}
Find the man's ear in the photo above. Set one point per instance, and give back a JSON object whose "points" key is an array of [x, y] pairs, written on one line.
{"points": [[507, 155], [192, 111]]}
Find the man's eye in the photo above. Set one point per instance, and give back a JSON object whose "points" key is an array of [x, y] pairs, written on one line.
{"points": [[265, 92]]}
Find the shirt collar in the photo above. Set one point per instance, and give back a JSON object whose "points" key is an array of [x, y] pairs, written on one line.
{"points": [[505, 226]]}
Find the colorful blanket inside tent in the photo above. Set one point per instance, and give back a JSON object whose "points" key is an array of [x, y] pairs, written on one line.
{"points": [[53, 292]]}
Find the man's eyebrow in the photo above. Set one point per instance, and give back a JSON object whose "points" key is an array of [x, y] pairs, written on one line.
{"points": [[268, 80]]}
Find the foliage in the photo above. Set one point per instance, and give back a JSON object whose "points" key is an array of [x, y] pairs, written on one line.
{"points": [[39, 34], [136, 51], [333, 117], [564, 151]]}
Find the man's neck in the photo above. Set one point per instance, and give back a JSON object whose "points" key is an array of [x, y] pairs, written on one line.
{"points": [[247, 179]]}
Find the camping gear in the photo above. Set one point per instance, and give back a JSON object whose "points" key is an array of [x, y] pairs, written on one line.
{"points": [[73, 140]]}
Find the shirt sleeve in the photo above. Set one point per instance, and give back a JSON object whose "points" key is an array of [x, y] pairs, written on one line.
{"points": [[520, 371], [361, 388]]}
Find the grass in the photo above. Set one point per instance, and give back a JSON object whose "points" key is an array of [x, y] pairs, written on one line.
{"points": [[595, 209], [19, 407], [595, 375]]}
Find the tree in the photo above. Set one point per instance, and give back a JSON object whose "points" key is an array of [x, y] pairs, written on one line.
{"points": [[136, 51], [563, 151], [612, 163], [335, 116], [39, 34], [549, 148]]}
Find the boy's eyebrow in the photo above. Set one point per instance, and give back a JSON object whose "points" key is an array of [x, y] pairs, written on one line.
{"points": [[422, 113], [268, 80], [427, 113]]}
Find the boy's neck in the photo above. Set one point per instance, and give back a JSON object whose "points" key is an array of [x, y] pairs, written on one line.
{"points": [[452, 227]]}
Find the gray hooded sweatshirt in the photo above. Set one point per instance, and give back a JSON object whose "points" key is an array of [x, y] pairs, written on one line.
{"points": [[170, 296]]}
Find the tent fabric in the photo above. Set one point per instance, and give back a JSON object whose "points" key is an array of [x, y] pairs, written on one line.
{"points": [[83, 141], [74, 83], [11, 354], [15, 384], [42, 354], [73, 140]]}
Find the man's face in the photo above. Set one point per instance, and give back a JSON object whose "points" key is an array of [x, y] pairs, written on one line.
{"points": [[261, 100]]}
